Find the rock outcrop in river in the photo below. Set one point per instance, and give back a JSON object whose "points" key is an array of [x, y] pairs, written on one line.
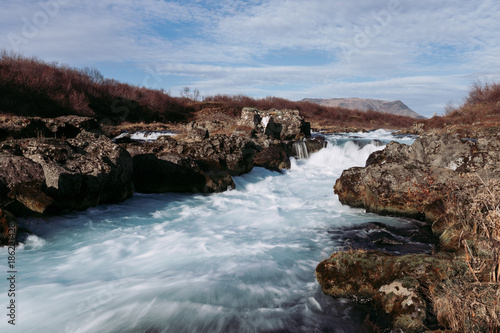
{"points": [[202, 160], [413, 180], [45, 176], [278, 124], [453, 183], [55, 165]]}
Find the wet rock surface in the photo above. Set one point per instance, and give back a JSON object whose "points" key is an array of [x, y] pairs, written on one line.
{"points": [[427, 291], [394, 286], [274, 157], [415, 237]]}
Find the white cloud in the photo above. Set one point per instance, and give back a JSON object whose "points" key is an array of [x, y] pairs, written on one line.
{"points": [[424, 52]]}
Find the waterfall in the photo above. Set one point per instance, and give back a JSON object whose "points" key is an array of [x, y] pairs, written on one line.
{"points": [[299, 149]]}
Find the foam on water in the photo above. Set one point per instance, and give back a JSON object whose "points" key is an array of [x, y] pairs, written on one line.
{"points": [[239, 261], [145, 135]]}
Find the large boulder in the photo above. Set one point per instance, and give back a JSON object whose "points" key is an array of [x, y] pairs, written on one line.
{"points": [[168, 165], [21, 182], [277, 124], [233, 153], [453, 182], [274, 157], [396, 286], [45, 176], [172, 172], [413, 180]]}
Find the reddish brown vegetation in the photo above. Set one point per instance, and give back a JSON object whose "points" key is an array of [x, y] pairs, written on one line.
{"points": [[481, 109], [319, 115], [30, 87]]}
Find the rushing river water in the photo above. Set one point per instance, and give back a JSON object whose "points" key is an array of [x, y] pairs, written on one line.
{"points": [[239, 261]]}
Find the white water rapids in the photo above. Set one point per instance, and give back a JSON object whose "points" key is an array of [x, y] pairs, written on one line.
{"points": [[239, 261]]}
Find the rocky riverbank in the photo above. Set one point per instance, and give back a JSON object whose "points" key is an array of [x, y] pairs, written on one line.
{"points": [[453, 183], [51, 166]]}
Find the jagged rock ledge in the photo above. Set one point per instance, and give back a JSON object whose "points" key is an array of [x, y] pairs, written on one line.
{"points": [[48, 176], [50, 166], [414, 180], [415, 293]]}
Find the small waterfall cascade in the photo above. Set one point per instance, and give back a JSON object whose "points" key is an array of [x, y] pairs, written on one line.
{"points": [[299, 149]]}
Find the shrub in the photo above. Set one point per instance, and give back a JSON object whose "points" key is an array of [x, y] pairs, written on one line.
{"points": [[481, 108], [329, 116], [30, 87]]}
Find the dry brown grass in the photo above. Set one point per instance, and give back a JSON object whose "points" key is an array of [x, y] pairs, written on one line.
{"points": [[473, 209], [30, 87], [471, 302], [468, 307], [481, 109]]}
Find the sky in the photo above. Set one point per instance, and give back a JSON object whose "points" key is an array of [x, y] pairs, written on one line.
{"points": [[426, 53]]}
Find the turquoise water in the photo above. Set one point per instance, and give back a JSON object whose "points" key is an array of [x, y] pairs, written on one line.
{"points": [[239, 261]]}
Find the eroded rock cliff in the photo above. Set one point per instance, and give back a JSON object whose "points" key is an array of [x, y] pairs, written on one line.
{"points": [[453, 183]]}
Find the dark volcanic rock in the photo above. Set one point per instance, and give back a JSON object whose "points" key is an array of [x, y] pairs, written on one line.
{"points": [[35, 127], [277, 124], [29, 198], [17, 169], [413, 180], [316, 144], [171, 172], [45, 176], [232, 153], [273, 130], [21, 181], [274, 158], [415, 237], [167, 165], [395, 285]]}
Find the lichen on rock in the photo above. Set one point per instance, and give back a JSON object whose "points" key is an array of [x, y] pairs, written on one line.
{"points": [[393, 284]]}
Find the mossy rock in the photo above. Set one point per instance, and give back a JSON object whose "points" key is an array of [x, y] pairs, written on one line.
{"points": [[394, 284]]}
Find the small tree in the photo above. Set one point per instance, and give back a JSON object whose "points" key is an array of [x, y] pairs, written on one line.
{"points": [[194, 95]]}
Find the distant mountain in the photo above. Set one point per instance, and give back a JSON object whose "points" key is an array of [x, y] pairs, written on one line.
{"points": [[364, 104]]}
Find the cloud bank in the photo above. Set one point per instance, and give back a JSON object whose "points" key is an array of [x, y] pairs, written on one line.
{"points": [[424, 53]]}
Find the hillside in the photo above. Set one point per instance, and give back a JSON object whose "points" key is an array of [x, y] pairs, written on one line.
{"points": [[364, 104], [30, 87], [481, 109]]}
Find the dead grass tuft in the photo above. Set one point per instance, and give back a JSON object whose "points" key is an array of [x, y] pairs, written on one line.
{"points": [[468, 307]]}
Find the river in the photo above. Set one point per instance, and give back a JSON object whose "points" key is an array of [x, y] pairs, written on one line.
{"points": [[239, 261]]}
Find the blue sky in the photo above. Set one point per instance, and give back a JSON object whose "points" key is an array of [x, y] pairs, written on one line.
{"points": [[426, 53]]}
